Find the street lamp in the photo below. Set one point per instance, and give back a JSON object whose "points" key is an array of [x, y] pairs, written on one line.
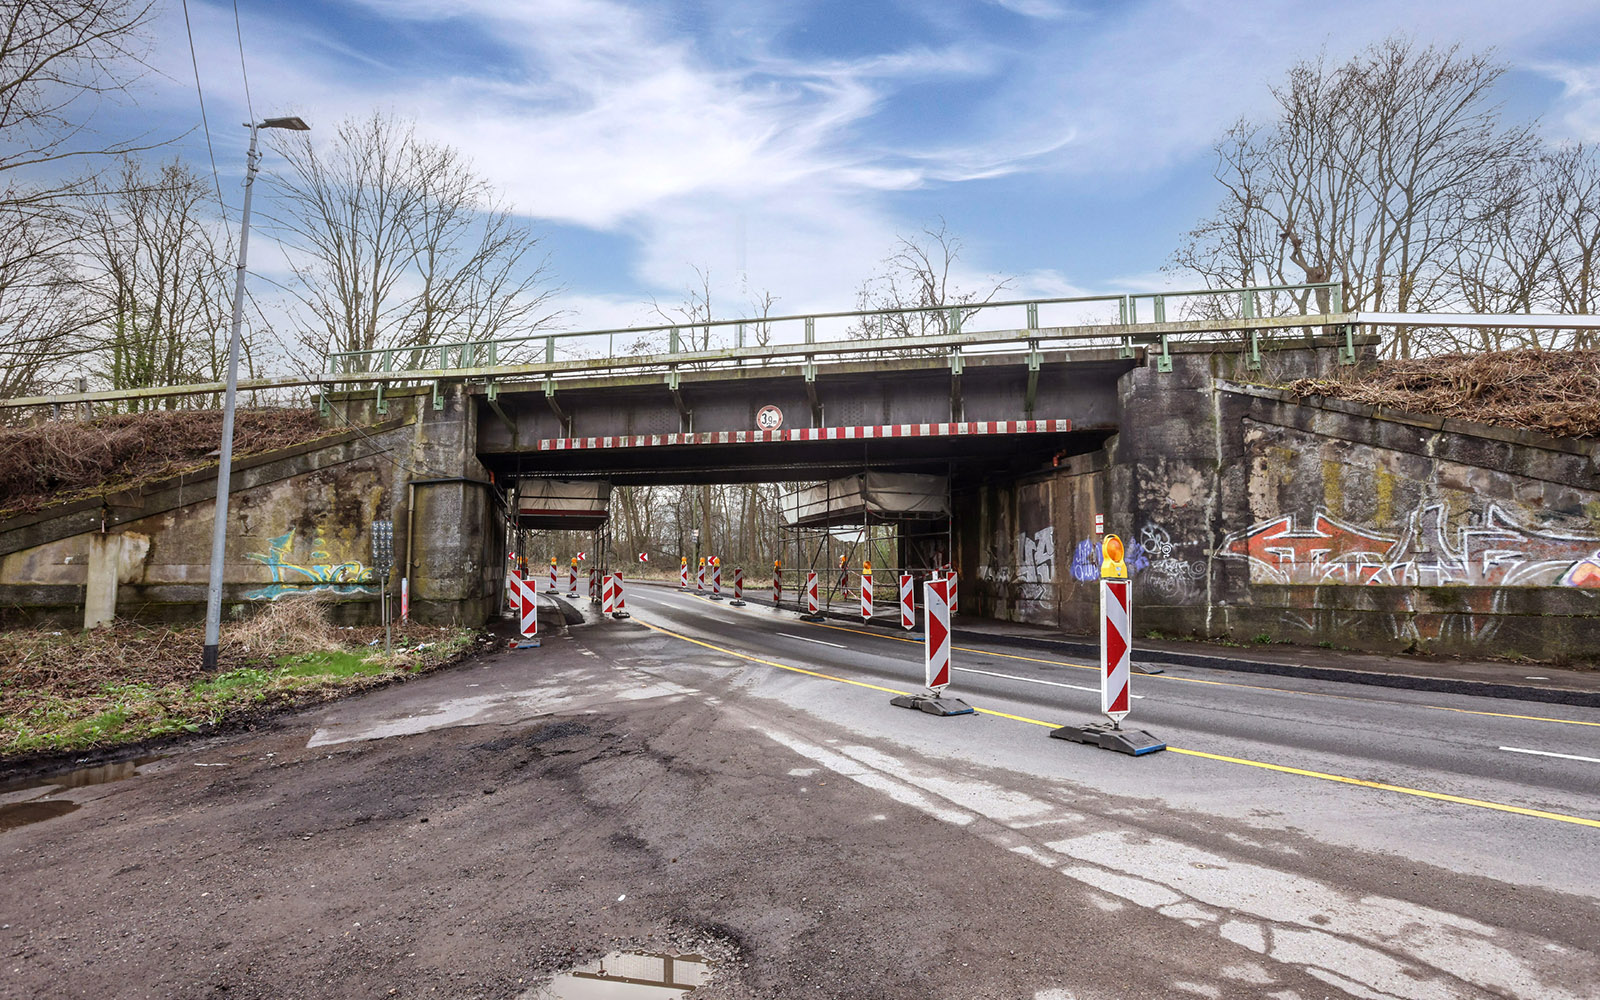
{"points": [[219, 524]]}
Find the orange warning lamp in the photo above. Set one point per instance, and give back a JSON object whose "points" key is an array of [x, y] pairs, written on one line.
{"points": [[1113, 567], [866, 567]]}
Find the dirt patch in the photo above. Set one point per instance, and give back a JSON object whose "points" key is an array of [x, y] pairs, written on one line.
{"points": [[58, 461], [1556, 392]]}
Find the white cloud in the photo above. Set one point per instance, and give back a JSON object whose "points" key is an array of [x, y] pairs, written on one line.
{"points": [[1579, 104]]}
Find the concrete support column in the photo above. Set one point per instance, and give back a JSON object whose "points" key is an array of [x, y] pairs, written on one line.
{"points": [[100, 593], [455, 564]]}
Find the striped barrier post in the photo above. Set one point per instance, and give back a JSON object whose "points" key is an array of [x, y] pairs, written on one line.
{"points": [[621, 610], [405, 600], [844, 576], [683, 572], [554, 586], [608, 595], [527, 607], [1116, 662], [777, 582], [511, 589], [908, 603], [813, 607], [738, 587], [866, 591], [572, 578], [716, 579], [594, 585], [936, 643], [953, 579], [700, 577]]}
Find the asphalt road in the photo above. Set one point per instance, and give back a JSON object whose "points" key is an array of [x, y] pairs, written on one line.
{"points": [[734, 781], [1466, 794]]}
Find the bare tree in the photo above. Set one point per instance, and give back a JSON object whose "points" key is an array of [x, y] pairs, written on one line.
{"points": [[59, 59], [162, 279], [1375, 174], [43, 309], [917, 276], [396, 241]]}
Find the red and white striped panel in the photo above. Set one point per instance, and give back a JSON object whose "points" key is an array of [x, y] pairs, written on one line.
{"points": [[908, 603], [812, 604], [866, 593], [1116, 625], [936, 639], [802, 434], [527, 606], [608, 594]]}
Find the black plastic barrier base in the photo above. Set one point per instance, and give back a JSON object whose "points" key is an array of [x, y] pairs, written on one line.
{"points": [[818, 617], [1134, 742], [932, 704], [620, 614]]}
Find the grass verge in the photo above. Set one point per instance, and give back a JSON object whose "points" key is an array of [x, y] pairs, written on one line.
{"points": [[74, 691]]}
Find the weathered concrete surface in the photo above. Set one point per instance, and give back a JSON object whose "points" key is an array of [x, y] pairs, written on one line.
{"points": [[300, 522], [1256, 516]]}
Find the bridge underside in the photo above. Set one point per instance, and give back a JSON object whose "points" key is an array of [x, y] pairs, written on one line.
{"points": [[994, 417], [965, 458]]}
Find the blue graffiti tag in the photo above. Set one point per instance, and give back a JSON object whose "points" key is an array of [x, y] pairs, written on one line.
{"points": [[1086, 561]]}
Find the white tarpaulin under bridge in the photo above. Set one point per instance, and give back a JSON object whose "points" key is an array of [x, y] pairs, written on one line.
{"points": [[563, 505], [868, 498]]}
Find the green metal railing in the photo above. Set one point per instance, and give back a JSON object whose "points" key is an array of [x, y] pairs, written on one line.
{"points": [[1021, 324]]}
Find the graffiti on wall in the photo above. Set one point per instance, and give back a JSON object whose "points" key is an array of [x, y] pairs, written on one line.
{"points": [[1036, 556], [1154, 557], [320, 575], [1495, 552], [1086, 561]]}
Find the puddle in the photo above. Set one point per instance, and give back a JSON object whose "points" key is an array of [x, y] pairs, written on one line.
{"points": [[43, 807], [22, 813], [83, 776], [627, 976]]}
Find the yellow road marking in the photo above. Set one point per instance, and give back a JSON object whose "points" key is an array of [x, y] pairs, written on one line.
{"points": [[1243, 761], [1230, 684]]}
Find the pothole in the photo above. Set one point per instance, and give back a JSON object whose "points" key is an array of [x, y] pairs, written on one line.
{"points": [[624, 975]]}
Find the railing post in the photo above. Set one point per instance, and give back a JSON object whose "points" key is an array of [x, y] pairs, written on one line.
{"points": [[550, 350], [1247, 302], [1160, 307], [1122, 311], [811, 330], [1033, 315], [955, 319], [672, 341], [739, 337]]}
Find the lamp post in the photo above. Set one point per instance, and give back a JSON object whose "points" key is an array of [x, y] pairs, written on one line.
{"points": [[219, 525]]}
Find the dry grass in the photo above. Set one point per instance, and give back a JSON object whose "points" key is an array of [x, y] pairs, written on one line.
{"points": [[63, 690], [51, 462], [1556, 392]]}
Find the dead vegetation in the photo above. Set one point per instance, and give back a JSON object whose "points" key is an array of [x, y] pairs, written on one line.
{"points": [[1555, 392], [61, 460], [67, 689]]}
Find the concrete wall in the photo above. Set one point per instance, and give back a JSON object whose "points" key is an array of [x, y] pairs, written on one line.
{"points": [[299, 522], [1251, 515]]}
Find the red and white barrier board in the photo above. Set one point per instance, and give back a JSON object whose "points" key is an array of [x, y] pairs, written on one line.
{"points": [[526, 604], [700, 576], [572, 579], [716, 576], [683, 572], [866, 591], [777, 582], [813, 606], [405, 599], [554, 585], [908, 603], [936, 643], [511, 590], [868, 432], [621, 609], [953, 581], [608, 594], [1116, 655], [738, 584]]}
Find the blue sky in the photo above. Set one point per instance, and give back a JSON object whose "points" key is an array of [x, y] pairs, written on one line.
{"points": [[788, 143]]}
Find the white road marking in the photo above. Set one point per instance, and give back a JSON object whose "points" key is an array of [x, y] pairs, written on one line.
{"points": [[1548, 753], [819, 642], [1033, 680]]}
